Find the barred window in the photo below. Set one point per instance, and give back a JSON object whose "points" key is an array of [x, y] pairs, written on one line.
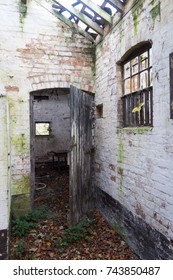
{"points": [[137, 96]]}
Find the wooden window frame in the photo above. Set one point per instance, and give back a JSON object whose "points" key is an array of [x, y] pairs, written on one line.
{"points": [[137, 105]]}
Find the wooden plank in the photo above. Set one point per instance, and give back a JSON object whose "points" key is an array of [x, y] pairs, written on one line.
{"points": [[73, 26], [171, 85], [80, 16], [117, 4], [81, 158], [96, 9]]}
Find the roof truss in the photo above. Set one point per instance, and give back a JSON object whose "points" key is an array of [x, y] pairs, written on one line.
{"points": [[117, 4], [93, 17]]}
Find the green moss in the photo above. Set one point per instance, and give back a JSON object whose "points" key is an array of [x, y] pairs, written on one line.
{"points": [[22, 185], [120, 151], [121, 232], [135, 21], [20, 205], [20, 144], [152, 2], [142, 130], [22, 12], [120, 165], [155, 12], [134, 130], [94, 61], [136, 11]]}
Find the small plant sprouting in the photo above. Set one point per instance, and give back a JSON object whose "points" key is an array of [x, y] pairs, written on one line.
{"points": [[75, 233], [22, 226], [20, 249]]}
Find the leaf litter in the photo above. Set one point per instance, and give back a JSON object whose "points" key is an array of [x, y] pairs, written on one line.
{"points": [[53, 239]]}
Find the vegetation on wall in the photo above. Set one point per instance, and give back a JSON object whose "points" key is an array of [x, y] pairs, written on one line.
{"points": [[22, 11], [155, 12]]}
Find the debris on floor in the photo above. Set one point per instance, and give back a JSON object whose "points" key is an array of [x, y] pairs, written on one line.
{"points": [[44, 234]]}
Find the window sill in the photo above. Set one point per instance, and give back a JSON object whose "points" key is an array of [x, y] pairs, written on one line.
{"points": [[135, 130]]}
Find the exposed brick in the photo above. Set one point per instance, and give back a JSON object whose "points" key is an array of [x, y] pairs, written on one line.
{"points": [[11, 88]]}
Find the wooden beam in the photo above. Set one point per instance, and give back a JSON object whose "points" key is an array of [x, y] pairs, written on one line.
{"points": [[96, 9], [74, 26], [117, 4], [80, 16]]}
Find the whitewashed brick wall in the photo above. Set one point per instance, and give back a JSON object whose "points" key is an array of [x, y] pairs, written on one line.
{"points": [[36, 52], [4, 165], [135, 166]]}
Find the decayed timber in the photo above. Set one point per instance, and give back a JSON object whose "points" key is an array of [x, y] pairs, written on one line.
{"points": [[81, 188]]}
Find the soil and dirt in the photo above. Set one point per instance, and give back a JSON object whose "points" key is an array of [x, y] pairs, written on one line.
{"points": [[50, 238]]}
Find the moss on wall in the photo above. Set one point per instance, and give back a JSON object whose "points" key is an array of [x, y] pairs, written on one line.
{"points": [[155, 12], [136, 11], [134, 130], [21, 185], [22, 12], [120, 158], [20, 144], [118, 228], [20, 205]]}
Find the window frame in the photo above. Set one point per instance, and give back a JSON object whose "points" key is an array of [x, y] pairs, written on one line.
{"points": [[43, 135], [137, 105]]}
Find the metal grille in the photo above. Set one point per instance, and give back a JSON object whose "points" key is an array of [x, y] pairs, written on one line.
{"points": [[137, 108]]}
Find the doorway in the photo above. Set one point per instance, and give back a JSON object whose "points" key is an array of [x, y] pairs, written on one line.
{"points": [[62, 148]]}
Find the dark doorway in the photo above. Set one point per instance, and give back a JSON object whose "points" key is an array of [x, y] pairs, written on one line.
{"points": [[62, 143]]}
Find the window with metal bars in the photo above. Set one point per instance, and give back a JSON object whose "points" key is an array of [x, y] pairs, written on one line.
{"points": [[137, 99]]}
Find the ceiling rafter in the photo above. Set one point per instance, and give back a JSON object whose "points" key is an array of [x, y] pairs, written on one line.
{"points": [[88, 18], [80, 16], [96, 9], [72, 25], [117, 4]]}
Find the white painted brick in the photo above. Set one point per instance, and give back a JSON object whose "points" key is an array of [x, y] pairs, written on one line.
{"points": [[34, 55], [147, 161]]}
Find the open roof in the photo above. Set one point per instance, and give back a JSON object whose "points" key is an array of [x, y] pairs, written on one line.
{"points": [[88, 17]]}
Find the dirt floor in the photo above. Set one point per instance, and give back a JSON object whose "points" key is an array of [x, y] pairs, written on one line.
{"points": [[52, 239]]}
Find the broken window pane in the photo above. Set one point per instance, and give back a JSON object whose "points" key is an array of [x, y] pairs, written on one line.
{"points": [[42, 128], [143, 61], [135, 83], [144, 80], [137, 93], [134, 65], [127, 70], [127, 86]]}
